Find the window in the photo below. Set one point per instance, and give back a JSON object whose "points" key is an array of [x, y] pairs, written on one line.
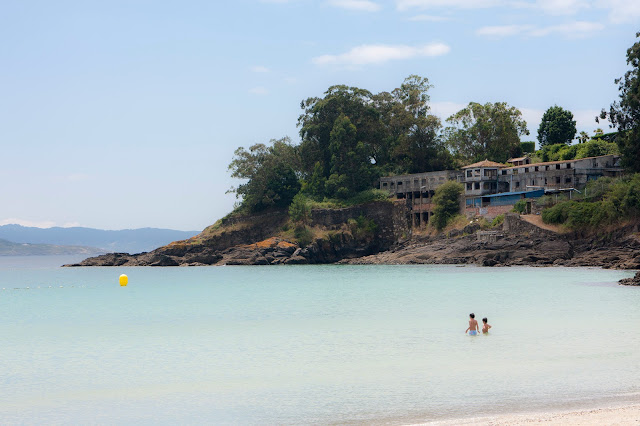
{"points": [[384, 184], [567, 179], [517, 184], [568, 165], [399, 184], [515, 171], [533, 182], [477, 185], [504, 172], [546, 167], [424, 181], [526, 170], [545, 181], [536, 168], [392, 184], [557, 179], [469, 172], [557, 166], [469, 186], [595, 164]]}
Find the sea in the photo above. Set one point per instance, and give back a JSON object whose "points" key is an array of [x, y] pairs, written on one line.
{"points": [[310, 344]]}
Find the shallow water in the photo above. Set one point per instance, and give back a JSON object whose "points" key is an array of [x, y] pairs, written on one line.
{"points": [[328, 344]]}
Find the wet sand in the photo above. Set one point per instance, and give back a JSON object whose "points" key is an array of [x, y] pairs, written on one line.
{"points": [[625, 415]]}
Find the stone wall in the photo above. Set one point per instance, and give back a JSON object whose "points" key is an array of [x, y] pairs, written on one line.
{"points": [[489, 212], [513, 224], [391, 218]]}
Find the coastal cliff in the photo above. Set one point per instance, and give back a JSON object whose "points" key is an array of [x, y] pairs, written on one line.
{"points": [[378, 233], [269, 239]]}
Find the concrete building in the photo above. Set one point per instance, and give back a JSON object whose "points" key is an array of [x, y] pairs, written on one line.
{"points": [[481, 178], [560, 174], [418, 189], [492, 188]]}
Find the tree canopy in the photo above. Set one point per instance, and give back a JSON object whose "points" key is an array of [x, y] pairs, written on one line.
{"points": [[625, 113], [557, 126], [350, 137], [270, 172], [491, 131]]}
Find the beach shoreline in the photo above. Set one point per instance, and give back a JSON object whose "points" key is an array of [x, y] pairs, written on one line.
{"points": [[627, 414]]}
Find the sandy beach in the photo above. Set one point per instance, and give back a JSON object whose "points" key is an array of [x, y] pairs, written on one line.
{"points": [[625, 415]]}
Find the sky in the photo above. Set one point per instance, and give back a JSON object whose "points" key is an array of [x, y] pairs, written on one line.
{"points": [[126, 114]]}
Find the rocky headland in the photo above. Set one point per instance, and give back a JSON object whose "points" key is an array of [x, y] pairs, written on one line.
{"points": [[338, 238]]}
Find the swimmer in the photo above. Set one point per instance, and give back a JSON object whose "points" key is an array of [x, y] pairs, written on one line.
{"points": [[485, 326], [473, 325]]}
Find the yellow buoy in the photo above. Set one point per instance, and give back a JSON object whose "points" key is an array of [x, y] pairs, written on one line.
{"points": [[123, 280]]}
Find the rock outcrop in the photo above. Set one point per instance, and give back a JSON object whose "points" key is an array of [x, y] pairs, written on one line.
{"points": [[251, 241]]}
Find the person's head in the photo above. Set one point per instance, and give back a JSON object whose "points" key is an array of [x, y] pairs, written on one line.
{"points": [[472, 315], [484, 320]]}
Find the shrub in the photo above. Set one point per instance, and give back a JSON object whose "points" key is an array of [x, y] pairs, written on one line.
{"points": [[447, 203], [300, 209], [304, 235], [520, 206], [498, 220]]}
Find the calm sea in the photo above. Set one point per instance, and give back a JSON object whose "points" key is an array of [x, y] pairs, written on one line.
{"points": [[309, 344]]}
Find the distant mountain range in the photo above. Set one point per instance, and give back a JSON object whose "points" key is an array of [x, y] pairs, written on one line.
{"points": [[8, 248], [124, 241]]}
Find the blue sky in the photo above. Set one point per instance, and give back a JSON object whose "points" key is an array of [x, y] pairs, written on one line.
{"points": [[125, 114]]}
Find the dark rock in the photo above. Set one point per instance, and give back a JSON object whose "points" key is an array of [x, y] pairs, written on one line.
{"points": [[635, 280]]}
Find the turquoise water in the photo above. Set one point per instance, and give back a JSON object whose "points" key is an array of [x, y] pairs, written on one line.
{"points": [[309, 344]]}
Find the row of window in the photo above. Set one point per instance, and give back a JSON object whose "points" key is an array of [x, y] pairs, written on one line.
{"points": [[471, 186], [415, 182]]}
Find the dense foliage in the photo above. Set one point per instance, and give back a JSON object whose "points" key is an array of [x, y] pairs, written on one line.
{"points": [[606, 201], [557, 127], [270, 172], [489, 131], [625, 114], [350, 137], [592, 148], [447, 203]]}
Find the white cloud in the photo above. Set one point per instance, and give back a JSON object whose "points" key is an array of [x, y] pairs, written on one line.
{"points": [[361, 5], [576, 29], [503, 30], [448, 4], [380, 53], [621, 11], [428, 18], [259, 68], [30, 223], [260, 91], [554, 7]]}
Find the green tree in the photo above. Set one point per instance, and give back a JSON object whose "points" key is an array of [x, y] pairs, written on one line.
{"points": [[300, 209], [447, 203], [319, 118], [528, 147], [270, 173], [584, 137], [557, 126], [351, 168], [625, 113], [489, 131]]}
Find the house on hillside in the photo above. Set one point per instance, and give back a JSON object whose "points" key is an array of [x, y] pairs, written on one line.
{"points": [[492, 188]]}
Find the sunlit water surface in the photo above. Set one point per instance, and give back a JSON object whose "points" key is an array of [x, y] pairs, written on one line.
{"points": [[309, 344]]}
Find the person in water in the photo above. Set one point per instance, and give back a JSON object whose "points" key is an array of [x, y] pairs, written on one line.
{"points": [[485, 326], [473, 325]]}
